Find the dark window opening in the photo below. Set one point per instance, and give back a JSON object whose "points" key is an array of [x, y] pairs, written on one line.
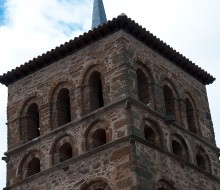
{"points": [[150, 135], [201, 161], [190, 117], [169, 101], [63, 107], [143, 91], [33, 167], [65, 152], [96, 91], [177, 149], [99, 138], [33, 125], [101, 102]]}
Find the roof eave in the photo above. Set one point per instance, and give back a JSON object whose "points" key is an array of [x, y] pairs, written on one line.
{"points": [[121, 22]]}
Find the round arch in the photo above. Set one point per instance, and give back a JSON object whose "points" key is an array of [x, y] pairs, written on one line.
{"points": [[64, 142], [171, 97], [144, 82], [191, 114], [36, 158], [61, 104], [102, 126], [202, 159], [30, 119], [153, 133], [179, 146]]}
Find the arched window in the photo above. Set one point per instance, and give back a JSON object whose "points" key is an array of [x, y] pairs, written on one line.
{"points": [[63, 148], [33, 167], [33, 126], [65, 152], [150, 135], [97, 134], [63, 107], [177, 149], [143, 87], [99, 138], [190, 116], [169, 101], [96, 94], [202, 160]]}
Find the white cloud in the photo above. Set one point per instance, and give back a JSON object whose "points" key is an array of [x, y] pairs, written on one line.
{"points": [[35, 26]]}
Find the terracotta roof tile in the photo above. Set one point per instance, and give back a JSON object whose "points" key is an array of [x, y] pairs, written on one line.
{"points": [[122, 22]]}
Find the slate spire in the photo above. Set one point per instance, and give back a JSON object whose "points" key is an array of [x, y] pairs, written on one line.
{"points": [[98, 16]]}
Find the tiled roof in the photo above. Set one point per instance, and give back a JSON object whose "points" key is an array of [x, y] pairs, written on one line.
{"points": [[122, 22]]}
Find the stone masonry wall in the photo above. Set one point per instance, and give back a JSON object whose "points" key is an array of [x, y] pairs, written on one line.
{"points": [[153, 166], [71, 72], [108, 163], [161, 71], [117, 58]]}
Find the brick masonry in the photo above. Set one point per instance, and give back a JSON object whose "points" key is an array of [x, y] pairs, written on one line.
{"points": [[126, 161]]}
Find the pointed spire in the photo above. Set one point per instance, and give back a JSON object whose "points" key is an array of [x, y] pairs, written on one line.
{"points": [[98, 16]]}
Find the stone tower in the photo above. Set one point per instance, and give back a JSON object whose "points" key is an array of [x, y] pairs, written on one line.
{"points": [[114, 109]]}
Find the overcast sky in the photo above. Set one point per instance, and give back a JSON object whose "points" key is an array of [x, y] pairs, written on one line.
{"points": [[29, 28]]}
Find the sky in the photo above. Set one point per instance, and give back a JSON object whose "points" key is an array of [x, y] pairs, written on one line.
{"points": [[30, 28]]}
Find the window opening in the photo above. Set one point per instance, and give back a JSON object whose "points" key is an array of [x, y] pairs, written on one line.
{"points": [[143, 89], [150, 135], [169, 101], [190, 116], [96, 91], [63, 107], [99, 138], [33, 167], [177, 149], [65, 152], [201, 161], [33, 126]]}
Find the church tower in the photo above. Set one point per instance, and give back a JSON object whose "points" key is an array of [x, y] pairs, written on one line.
{"points": [[114, 109]]}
